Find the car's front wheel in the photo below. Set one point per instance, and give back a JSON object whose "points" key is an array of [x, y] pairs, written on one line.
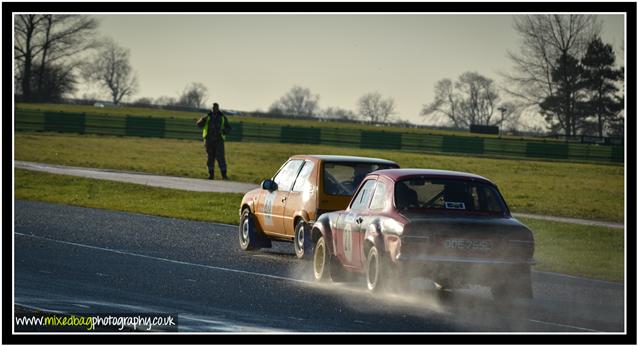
{"points": [[302, 241], [321, 262], [249, 238]]}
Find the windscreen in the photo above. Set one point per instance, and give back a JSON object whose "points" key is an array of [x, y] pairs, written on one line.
{"points": [[452, 195], [343, 178]]}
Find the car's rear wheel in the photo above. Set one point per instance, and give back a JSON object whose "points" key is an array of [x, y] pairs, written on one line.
{"points": [[302, 240], [321, 262], [249, 237], [376, 270]]}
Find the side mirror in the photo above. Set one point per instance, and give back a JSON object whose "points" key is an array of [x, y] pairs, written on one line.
{"points": [[269, 185]]}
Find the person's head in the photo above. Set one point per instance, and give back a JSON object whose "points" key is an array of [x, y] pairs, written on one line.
{"points": [[215, 106]]}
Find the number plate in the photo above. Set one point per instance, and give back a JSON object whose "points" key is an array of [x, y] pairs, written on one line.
{"points": [[468, 244]]}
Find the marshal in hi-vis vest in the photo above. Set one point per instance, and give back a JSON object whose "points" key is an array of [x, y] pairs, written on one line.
{"points": [[221, 127]]}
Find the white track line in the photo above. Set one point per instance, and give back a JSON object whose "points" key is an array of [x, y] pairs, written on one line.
{"points": [[231, 270], [163, 259], [564, 326]]}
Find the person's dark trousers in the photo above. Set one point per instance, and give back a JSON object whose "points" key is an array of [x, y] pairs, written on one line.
{"points": [[215, 151]]}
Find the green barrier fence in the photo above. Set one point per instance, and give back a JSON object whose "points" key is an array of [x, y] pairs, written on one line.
{"points": [[466, 145], [307, 135], [28, 120], [343, 137], [64, 122], [380, 140]]}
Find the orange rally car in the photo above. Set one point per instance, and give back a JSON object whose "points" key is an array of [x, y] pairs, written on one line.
{"points": [[286, 206]]}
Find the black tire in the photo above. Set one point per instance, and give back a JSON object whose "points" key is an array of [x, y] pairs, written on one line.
{"points": [[376, 271], [302, 243], [321, 261], [249, 238]]}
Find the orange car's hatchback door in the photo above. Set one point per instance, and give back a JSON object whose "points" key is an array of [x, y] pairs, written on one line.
{"points": [[302, 197]]}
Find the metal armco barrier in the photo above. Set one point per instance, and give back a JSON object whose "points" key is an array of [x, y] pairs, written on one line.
{"points": [[28, 120]]}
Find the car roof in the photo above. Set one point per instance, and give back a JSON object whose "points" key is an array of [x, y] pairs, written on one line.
{"points": [[403, 173], [344, 158]]}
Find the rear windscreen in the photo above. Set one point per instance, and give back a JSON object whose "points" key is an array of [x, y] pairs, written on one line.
{"points": [[343, 178], [455, 195]]}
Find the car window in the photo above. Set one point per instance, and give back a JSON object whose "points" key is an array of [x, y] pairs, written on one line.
{"points": [[287, 174], [378, 199], [443, 194], [302, 183], [362, 199], [343, 178]]}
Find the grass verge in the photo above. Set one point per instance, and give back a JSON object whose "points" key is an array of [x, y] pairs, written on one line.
{"points": [[595, 252], [590, 251], [102, 194], [580, 190]]}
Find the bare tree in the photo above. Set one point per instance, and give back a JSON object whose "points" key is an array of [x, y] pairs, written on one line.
{"points": [[112, 71], [481, 98], [298, 101], [509, 116], [47, 41], [165, 101], [374, 108], [143, 101], [545, 39], [194, 95], [473, 99], [25, 48], [338, 113], [446, 102], [54, 82]]}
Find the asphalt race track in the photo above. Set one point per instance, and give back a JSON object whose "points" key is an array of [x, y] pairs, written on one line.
{"points": [[80, 260]]}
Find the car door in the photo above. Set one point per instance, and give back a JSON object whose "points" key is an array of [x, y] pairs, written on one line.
{"points": [[349, 237], [365, 217], [273, 203], [302, 196]]}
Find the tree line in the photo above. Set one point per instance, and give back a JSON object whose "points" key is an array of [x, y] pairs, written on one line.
{"points": [[194, 95], [48, 51], [300, 101], [52, 53], [562, 70]]}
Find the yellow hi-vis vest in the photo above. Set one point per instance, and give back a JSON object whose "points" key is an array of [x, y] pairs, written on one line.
{"points": [[221, 130]]}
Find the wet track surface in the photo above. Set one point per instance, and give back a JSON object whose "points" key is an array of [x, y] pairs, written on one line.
{"points": [[79, 260]]}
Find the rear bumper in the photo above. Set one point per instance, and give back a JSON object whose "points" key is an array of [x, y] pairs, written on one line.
{"points": [[423, 259], [462, 271]]}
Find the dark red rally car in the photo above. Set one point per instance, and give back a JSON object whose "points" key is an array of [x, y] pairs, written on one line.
{"points": [[452, 227]]}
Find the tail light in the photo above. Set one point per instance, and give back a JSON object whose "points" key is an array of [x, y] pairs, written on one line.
{"points": [[521, 248]]}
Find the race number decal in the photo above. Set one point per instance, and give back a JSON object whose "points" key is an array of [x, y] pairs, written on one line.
{"points": [[347, 242], [268, 200]]}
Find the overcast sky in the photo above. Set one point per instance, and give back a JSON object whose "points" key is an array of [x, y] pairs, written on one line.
{"points": [[249, 61]]}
